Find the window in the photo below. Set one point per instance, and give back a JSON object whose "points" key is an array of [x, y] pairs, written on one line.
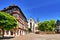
{"points": [[16, 15], [17, 32], [11, 32], [15, 9], [20, 32], [30, 25], [8, 11]]}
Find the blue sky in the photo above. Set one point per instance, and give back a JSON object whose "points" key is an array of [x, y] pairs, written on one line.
{"points": [[42, 9]]}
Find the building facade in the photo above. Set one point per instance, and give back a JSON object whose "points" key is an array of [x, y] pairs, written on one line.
{"points": [[21, 29], [32, 24], [57, 29]]}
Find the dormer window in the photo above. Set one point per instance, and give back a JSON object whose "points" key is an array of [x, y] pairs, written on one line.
{"points": [[8, 11], [16, 15], [15, 9]]}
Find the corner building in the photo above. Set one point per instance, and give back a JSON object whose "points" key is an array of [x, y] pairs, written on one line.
{"points": [[21, 29]]}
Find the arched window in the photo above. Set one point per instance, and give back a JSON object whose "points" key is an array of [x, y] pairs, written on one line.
{"points": [[11, 32], [17, 32], [30, 25]]}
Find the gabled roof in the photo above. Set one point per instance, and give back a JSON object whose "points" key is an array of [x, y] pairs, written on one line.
{"points": [[13, 6]]}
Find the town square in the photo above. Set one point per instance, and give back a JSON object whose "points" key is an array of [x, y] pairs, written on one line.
{"points": [[30, 20]]}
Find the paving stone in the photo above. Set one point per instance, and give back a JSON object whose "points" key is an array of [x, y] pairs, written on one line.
{"points": [[33, 36]]}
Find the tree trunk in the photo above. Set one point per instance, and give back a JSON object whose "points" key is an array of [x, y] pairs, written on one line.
{"points": [[3, 33]]}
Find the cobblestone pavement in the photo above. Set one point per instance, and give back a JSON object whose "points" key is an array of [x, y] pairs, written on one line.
{"points": [[32, 36]]}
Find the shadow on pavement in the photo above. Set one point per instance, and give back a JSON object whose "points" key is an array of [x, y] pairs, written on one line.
{"points": [[5, 38]]}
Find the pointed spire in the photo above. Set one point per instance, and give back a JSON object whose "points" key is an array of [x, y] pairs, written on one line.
{"points": [[38, 20]]}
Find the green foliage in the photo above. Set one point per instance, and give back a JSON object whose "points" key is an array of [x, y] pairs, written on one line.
{"points": [[29, 29], [7, 21], [47, 25]]}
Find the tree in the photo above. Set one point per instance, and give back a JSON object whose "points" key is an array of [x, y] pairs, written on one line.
{"points": [[52, 24], [7, 22], [47, 25], [29, 29]]}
